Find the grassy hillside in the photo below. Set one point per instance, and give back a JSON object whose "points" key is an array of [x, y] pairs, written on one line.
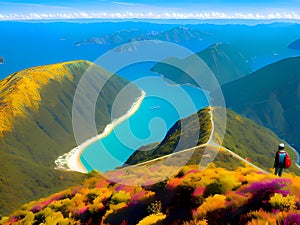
{"points": [[36, 127], [191, 196], [170, 142], [223, 60], [270, 97], [244, 137], [252, 141]]}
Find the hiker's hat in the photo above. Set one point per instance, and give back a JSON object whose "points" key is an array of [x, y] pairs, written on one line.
{"points": [[281, 146]]}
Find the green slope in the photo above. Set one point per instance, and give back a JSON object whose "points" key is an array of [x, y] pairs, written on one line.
{"points": [[242, 136], [270, 97], [223, 60], [39, 130], [251, 140], [171, 140]]}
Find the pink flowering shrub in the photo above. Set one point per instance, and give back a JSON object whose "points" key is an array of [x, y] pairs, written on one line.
{"points": [[292, 219], [211, 196]]}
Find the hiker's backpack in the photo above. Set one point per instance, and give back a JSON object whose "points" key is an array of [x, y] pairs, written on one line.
{"points": [[287, 162], [281, 158]]}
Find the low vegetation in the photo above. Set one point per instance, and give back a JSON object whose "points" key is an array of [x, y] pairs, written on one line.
{"points": [[191, 196]]}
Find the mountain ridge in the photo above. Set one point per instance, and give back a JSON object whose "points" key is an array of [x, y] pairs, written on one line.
{"points": [[20, 91], [270, 97], [225, 63], [242, 136], [180, 34], [42, 130]]}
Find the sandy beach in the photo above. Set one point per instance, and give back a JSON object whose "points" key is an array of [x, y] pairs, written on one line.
{"points": [[71, 160]]}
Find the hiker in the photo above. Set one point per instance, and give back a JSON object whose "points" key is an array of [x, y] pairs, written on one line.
{"points": [[280, 160]]}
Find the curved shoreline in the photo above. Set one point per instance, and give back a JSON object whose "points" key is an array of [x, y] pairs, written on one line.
{"points": [[70, 161]]}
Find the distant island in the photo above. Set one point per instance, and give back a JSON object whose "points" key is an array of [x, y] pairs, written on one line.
{"points": [[179, 34], [116, 38], [295, 45]]}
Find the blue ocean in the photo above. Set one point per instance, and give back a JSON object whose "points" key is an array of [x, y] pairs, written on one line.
{"points": [[163, 105], [28, 44]]}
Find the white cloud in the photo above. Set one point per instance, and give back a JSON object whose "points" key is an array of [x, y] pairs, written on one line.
{"points": [[21, 5], [128, 4], [151, 15]]}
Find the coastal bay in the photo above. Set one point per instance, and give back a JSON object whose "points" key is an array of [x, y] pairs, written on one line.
{"points": [[71, 160]]}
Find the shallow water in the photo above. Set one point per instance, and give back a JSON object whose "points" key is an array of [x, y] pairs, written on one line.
{"points": [[163, 105]]}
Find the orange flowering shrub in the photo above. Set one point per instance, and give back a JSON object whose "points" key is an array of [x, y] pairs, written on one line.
{"points": [[210, 204]]}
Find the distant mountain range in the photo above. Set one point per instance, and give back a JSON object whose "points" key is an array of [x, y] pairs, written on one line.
{"points": [[225, 62], [270, 97], [114, 39], [295, 45], [179, 34], [36, 127]]}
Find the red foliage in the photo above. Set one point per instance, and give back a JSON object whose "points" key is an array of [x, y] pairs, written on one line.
{"points": [[103, 183], [124, 222], [173, 183], [44, 204], [13, 219], [83, 210], [198, 191], [189, 172], [126, 188], [138, 196]]}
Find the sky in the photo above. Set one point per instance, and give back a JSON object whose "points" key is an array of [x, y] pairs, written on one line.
{"points": [[149, 9]]}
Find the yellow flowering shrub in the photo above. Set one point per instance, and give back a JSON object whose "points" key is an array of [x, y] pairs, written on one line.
{"points": [[118, 206], [228, 181], [196, 222], [211, 203], [97, 205], [261, 217], [121, 196], [280, 202], [153, 219], [4, 219], [52, 217], [261, 221]]}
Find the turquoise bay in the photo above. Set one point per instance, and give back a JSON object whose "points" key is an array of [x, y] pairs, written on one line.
{"points": [[163, 105]]}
